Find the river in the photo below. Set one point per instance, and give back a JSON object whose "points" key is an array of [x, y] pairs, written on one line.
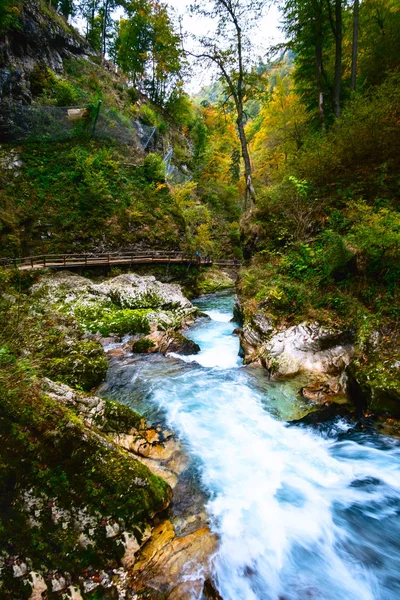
{"points": [[300, 512]]}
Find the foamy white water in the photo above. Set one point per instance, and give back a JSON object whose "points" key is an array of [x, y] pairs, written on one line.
{"points": [[299, 514]]}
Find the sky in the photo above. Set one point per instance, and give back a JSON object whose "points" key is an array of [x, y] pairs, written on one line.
{"points": [[265, 35]]}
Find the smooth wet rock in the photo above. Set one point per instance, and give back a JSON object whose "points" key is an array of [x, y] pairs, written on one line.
{"points": [[178, 566], [323, 392], [327, 413], [300, 348], [166, 341], [178, 343]]}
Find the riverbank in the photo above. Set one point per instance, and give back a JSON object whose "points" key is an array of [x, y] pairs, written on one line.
{"points": [[85, 476], [282, 500], [117, 519]]}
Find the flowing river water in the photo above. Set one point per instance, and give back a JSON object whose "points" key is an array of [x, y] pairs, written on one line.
{"points": [[300, 513]]}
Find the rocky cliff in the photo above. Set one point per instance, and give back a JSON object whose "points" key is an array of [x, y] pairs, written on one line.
{"points": [[39, 37]]}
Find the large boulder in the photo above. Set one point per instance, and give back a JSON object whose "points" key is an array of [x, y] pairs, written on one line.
{"points": [[125, 304], [134, 291], [307, 347]]}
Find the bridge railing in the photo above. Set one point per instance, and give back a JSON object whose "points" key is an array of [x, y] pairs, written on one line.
{"points": [[83, 259]]}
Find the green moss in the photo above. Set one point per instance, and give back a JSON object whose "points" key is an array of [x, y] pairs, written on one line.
{"points": [[81, 365], [109, 319], [47, 450], [143, 345], [378, 378], [213, 280], [120, 418]]}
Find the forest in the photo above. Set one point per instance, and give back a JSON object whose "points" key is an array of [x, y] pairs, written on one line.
{"points": [[285, 170]]}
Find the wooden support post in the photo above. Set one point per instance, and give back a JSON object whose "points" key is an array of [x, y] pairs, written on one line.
{"points": [[44, 261]]}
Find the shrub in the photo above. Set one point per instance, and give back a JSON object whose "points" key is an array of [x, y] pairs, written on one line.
{"points": [[142, 345], [108, 319], [154, 168], [65, 93]]}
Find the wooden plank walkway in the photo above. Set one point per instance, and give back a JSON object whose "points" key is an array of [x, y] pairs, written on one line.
{"points": [[68, 261]]}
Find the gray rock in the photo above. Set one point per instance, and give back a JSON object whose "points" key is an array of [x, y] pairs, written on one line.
{"points": [[308, 347], [38, 39]]}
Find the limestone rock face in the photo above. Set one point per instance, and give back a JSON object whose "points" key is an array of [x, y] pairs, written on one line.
{"points": [[163, 305], [89, 407], [308, 348], [300, 348], [41, 37], [134, 291], [126, 291]]}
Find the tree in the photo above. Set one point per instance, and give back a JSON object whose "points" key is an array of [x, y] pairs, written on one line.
{"points": [[165, 56], [64, 7], [355, 45], [229, 49], [134, 40], [336, 20], [89, 11], [149, 51], [306, 25]]}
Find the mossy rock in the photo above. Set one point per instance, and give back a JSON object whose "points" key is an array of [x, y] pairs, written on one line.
{"points": [[81, 365], [54, 464], [214, 280], [377, 383], [120, 418]]}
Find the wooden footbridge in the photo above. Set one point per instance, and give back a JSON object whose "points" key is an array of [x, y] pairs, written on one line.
{"points": [[71, 261]]}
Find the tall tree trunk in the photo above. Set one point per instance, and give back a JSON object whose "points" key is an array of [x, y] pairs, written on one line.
{"points": [[104, 28], [319, 68], [355, 45], [250, 197], [338, 58]]}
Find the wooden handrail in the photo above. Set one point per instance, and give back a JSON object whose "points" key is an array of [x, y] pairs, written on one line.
{"points": [[87, 258]]}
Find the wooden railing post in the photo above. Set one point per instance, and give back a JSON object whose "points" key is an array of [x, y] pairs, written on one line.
{"points": [[64, 260], [85, 259], [44, 261]]}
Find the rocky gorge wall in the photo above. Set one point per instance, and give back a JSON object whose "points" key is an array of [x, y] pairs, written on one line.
{"points": [[331, 356], [41, 37], [86, 480]]}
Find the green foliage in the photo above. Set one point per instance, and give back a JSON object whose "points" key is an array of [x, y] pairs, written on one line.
{"points": [[66, 94], [51, 454], [149, 51], [49, 451], [89, 193], [154, 168], [142, 345], [148, 115], [41, 79], [111, 320], [9, 15]]}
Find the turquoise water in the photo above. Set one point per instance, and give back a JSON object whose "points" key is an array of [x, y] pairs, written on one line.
{"points": [[300, 513]]}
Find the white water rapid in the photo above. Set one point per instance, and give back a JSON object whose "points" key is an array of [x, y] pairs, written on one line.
{"points": [[300, 513]]}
